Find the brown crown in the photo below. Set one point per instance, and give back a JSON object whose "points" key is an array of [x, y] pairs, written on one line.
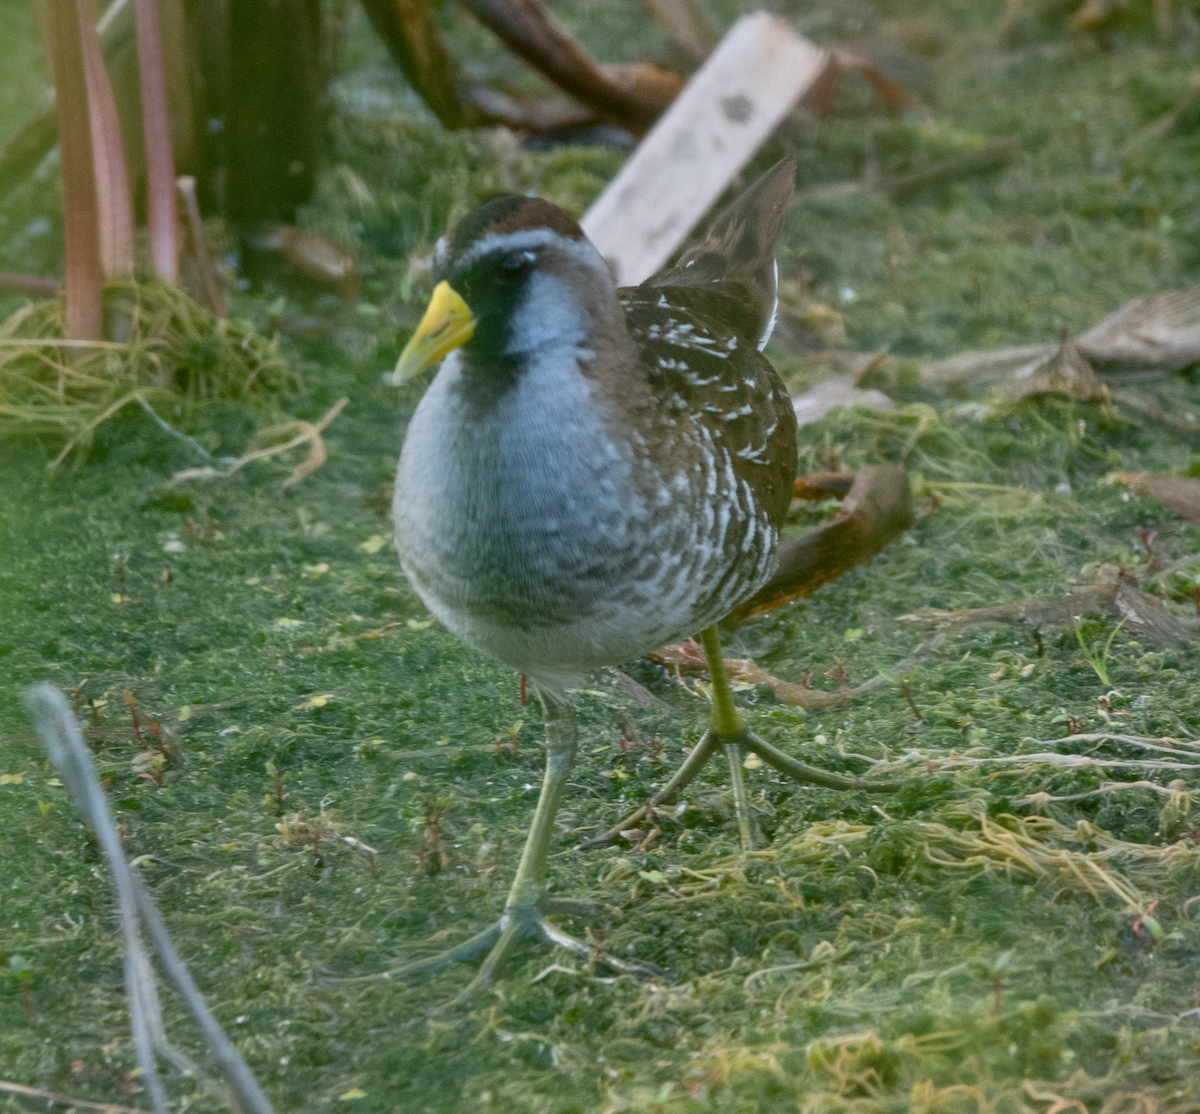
{"points": [[511, 213]]}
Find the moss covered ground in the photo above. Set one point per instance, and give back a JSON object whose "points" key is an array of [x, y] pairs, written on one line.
{"points": [[954, 947]]}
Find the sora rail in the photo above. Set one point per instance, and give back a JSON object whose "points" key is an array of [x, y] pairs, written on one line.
{"points": [[593, 471]]}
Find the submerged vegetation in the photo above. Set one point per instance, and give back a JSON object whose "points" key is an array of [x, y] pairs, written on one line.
{"points": [[320, 783]]}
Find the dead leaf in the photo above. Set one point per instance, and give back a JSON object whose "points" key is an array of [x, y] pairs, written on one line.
{"points": [[319, 700], [1154, 333], [1142, 614], [816, 403], [971, 370], [1065, 372], [1179, 494], [309, 256], [366, 636], [819, 99]]}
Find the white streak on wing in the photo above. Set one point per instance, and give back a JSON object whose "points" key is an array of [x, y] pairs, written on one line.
{"points": [[762, 340], [752, 518]]}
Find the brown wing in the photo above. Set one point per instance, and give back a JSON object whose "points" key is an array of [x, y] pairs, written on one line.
{"points": [[700, 365]]}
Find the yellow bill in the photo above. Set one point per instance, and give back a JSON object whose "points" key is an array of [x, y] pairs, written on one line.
{"points": [[447, 324]]}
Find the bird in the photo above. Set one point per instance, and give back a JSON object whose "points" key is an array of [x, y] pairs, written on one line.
{"points": [[593, 472]]}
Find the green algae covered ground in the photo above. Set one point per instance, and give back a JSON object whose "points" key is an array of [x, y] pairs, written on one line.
{"points": [[953, 947]]}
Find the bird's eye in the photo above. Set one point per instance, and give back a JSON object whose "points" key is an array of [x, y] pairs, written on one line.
{"points": [[516, 265]]}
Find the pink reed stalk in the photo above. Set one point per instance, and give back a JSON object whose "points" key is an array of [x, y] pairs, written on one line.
{"points": [[160, 160]]}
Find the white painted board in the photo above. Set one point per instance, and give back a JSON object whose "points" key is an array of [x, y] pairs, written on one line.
{"points": [[729, 108]]}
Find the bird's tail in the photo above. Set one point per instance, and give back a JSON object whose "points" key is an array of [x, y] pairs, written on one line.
{"points": [[737, 256]]}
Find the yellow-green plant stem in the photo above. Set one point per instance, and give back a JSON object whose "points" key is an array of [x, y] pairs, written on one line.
{"points": [[1098, 659]]}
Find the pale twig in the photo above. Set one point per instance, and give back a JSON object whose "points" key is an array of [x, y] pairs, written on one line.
{"points": [[61, 737], [1068, 761], [1142, 741], [309, 431], [52, 1099], [186, 185], [1039, 800], [168, 428], [64, 743]]}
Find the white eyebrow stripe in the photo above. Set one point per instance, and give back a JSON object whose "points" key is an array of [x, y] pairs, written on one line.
{"points": [[528, 239]]}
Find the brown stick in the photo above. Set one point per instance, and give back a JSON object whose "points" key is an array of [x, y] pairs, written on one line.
{"points": [[161, 216], [411, 35], [819, 486], [408, 30], [875, 512], [529, 33], [492, 106], [38, 286], [186, 185], [686, 27]]}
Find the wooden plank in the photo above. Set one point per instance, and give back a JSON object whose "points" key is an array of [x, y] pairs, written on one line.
{"points": [[728, 109]]}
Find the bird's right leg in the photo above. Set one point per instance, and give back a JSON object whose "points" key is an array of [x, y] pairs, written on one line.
{"points": [[728, 730], [729, 727]]}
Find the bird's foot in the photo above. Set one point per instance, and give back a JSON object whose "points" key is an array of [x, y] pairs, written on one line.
{"points": [[518, 923]]}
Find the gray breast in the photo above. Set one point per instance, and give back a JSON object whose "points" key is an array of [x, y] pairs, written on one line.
{"points": [[538, 538]]}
